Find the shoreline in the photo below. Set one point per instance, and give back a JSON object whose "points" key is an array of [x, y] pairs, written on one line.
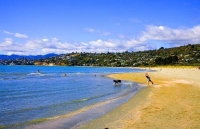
{"points": [[79, 117], [109, 85], [172, 102]]}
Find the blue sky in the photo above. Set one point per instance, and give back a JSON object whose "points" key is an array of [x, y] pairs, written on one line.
{"points": [[32, 27]]}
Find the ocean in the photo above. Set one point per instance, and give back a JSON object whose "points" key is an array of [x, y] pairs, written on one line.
{"points": [[29, 98]]}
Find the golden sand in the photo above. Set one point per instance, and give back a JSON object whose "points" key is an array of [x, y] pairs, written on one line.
{"points": [[172, 102]]}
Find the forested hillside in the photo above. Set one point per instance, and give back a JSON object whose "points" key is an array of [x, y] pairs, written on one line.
{"points": [[184, 55]]}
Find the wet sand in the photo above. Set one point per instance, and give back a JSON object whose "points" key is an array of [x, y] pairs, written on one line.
{"points": [[173, 101]]}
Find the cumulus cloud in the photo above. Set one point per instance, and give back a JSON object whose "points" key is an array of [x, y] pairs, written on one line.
{"points": [[9, 46], [8, 41], [6, 44], [179, 36], [166, 33], [100, 46], [45, 40], [147, 39], [154, 36], [103, 44]]}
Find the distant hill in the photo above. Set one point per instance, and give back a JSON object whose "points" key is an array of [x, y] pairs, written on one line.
{"points": [[183, 55], [36, 57]]}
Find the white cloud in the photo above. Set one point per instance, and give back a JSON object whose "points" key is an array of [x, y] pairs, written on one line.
{"points": [[161, 27], [55, 40], [6, 32], [18, 35], [45, 40], [8, 41], [6, 44], [90, 30], [149, 39], [104, 33], [11, 47], [103, 44], [155, 36], [175, 36]]}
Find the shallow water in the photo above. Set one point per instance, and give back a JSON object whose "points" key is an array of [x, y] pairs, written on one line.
{"points": [[29, 97]]}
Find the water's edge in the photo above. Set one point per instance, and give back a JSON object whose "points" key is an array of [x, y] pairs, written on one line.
{"points": [[50, 100], [78, 118]]}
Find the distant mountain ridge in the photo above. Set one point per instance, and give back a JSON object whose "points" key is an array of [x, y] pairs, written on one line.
{"points": [[31, 57]]}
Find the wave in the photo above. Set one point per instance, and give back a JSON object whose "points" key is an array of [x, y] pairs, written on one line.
{"points": [[17, 76], [129, 83], [35, 73]]}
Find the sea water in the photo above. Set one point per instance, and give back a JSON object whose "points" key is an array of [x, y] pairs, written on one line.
{"points": [[27, 95]]}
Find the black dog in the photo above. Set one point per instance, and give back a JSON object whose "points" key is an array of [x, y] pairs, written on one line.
{"points": [[117, 81]]}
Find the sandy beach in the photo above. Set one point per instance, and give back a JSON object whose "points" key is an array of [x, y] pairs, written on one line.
{"points": [[173, 102]]}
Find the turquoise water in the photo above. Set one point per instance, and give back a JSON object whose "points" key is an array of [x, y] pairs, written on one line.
{"points": [[27, 96]]}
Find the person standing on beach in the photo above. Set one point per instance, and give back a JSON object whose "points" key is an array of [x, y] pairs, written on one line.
{"points": [[148, 78]]}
